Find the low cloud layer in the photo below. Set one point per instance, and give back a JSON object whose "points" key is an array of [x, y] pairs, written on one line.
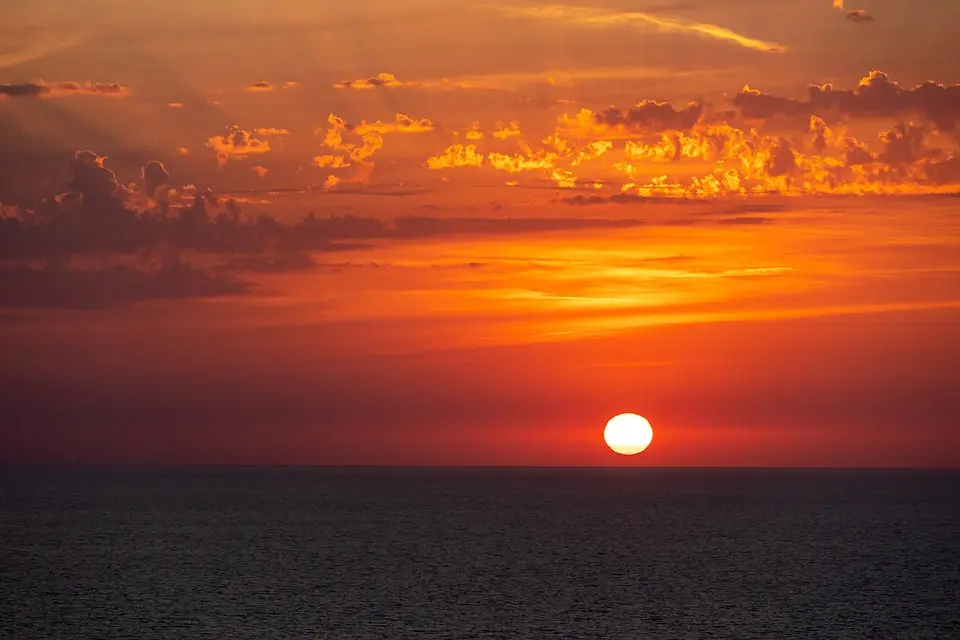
{"points": [[51, 90]]}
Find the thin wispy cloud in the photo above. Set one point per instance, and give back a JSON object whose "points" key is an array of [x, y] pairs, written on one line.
{"points": [[596, 17]]}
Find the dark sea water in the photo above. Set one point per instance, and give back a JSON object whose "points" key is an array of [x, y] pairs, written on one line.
{"points": [[480, 553]]}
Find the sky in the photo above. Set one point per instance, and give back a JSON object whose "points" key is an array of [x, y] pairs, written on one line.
{"points": [[434, 233]]}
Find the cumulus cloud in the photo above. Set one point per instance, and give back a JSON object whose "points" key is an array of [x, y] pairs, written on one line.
{"points": [[48, 90], [92, 180], [597, 17], [456, 155], [237, 143], [155, 180], [367, 139], [260, 171], [877, 96]]}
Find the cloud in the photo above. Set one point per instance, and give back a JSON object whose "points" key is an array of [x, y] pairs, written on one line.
{"points": [[402, 123], [597, 17], [260, 171], [527, 160], [75, 288], [647, 117], [237, 143], [93, 181], [456, 155], [381, 80], [270, 131], [877, 96], [854, 15], [360, 152], [859, 16], [155, 180], [49, 90], [330, 162], [271, 263], [175, 105], [510, 130], [262, 85], [474, 132]]}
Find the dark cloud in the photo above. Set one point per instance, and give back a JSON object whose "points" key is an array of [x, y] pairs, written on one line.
{"points": [[62, 287], [783, 160], [275, 263], [155, 177], [651, 116], [93, 181], [877, 96], [44, 90], [945, 171]]}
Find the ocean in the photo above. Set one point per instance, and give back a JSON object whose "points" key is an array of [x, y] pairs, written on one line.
{"points": [[394, 553]]}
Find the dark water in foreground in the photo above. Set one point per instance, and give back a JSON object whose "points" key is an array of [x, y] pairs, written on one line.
{"points": [[496, 553]]}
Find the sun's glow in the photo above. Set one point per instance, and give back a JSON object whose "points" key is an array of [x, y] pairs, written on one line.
{"points": [[628, 434]]}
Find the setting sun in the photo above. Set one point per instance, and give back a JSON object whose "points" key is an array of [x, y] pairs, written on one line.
{"points": [[628, 434]]}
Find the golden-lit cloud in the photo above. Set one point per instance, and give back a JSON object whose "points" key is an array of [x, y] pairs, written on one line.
{"points": [[361, 151], [262, 85], [597, 17], [43, 89], [510, 130], [237, 143], [474, 132], [381, 80], [330, 162], [331, 182], [175, 105], [658, 150], [456, 155], [527, 160], [271, 131], [260, 171], [402, 123]]}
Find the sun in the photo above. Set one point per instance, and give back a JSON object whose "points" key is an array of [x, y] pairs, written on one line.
{"points": [[628, 434]]}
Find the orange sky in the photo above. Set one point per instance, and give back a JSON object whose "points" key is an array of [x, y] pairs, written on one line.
{"points": [[738, 219]]}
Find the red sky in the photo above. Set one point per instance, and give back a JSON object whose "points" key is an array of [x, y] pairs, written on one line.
{"points": [[527, 218]]}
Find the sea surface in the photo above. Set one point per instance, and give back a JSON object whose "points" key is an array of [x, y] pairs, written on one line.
{"points": [[344, 553]]}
